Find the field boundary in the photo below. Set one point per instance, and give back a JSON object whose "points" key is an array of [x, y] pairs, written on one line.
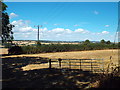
{"points": [[93, 65]]}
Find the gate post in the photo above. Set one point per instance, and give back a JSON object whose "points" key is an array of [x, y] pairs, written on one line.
{"points": [[103, 65], [50, 64], [80, 64], [69, 64], [59, 61], [91, 65]]}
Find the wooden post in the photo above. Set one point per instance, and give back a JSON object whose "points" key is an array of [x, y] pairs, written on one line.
{"points": [[80, 64], [59, 60], [69, 64], [50, 64], [103, 65], [91, 65]]}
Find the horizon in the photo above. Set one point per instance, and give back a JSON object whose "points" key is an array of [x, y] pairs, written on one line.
{"points": [[64, 21], [57, 41]]}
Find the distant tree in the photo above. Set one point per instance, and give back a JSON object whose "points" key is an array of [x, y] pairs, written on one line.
{"points": [[108, 42], [7, 34], [86, 41], [38, 43], [102, 41]]}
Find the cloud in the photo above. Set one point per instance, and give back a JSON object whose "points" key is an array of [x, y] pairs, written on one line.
{"points": [[107, 25], [105, 32], [12, 15], [18, 23], [68, 31], [22, 26], [23, 31], [57, 30], [80, 30], [96, 12], [60, 30], [21, 22], [43, 29]]}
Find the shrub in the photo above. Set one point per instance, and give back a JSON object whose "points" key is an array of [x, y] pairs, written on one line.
{"points": [[15, 50]]}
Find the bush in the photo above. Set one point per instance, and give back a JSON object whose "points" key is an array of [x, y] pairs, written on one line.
{"points": [[15, 50]]}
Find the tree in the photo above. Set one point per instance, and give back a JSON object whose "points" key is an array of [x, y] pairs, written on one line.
{"points": [[38, 43], [7, 34], [86, 42], [102, 41], [108, 42]]}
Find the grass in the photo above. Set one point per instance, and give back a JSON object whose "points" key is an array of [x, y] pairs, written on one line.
{"points": [[35, 72], [91, 54]]}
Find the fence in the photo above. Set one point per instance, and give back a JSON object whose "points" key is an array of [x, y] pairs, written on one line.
{"points": [[94, 65]]}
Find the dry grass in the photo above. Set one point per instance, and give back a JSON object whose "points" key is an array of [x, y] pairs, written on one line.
{"points": [[105, 54], [95, 54], [37, 66], [3, 51], [68, 77]]}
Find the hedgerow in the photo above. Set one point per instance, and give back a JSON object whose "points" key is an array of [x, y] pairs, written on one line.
{"points": [[66, 47]]}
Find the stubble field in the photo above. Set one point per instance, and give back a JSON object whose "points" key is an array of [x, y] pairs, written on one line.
{"points": [[109, 57], [31, 70]]}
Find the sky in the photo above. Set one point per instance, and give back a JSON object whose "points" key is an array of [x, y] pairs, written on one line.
{"points": [[64, 21], [62, 0]]}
